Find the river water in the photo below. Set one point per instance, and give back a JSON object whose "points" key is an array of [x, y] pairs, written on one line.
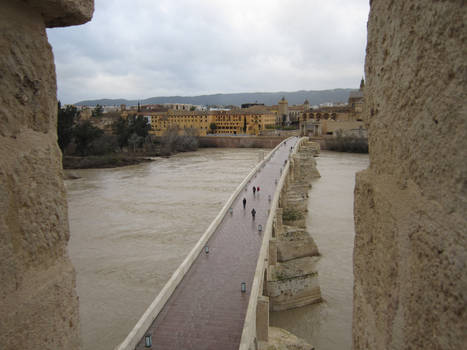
{"points": [[131, 227], [328, 325]]}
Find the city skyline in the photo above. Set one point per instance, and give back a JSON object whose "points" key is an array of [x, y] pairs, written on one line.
{"points": [[187, 48]]}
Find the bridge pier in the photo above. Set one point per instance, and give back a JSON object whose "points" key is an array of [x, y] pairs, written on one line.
{"points": [[288, 278], [272, 251], [262, 319]]}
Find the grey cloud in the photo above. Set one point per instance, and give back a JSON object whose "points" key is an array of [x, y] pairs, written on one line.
{"points": [[143, 48]]}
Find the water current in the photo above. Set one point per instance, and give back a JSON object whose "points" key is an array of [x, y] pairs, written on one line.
{"points": [[131, 227]]}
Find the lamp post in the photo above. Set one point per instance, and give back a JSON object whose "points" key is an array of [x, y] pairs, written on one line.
{"points": [[148, 340]]}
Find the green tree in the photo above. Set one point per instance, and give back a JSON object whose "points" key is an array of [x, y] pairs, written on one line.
{"points": [[140, 126], [84, 134], [104, 144], [98, 111], [213, 127], [121, 129], [66, 118], [135, 140], [125, 128]]}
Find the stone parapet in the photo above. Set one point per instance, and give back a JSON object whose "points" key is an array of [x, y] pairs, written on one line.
{"points": [[62, 13], [410, 276], [38, 300]]}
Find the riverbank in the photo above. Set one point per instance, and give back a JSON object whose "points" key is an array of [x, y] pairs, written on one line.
{"points": [[99, 162]]}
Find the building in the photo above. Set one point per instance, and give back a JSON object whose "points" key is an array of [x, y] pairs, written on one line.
{"points": [[236, 122], [329, 120], [283, 112], [356, 99], [248, 105]]}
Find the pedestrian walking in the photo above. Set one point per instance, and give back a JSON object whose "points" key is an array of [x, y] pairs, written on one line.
{"points": [[253, 213], [254, 190], [257, 188], [244, 203]]}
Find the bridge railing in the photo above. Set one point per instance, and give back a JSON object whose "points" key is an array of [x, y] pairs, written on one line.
{"points": [[139, 330], [248, 339]]}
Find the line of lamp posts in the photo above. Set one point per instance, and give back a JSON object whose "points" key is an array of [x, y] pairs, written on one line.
{"points": [[148, 336]]}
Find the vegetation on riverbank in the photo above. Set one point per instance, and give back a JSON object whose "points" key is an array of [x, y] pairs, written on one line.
{"points": [[290, 214], [126, 142], [105, 161]]}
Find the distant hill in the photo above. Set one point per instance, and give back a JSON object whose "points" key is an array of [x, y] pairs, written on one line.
{"points": [[315, 97]]}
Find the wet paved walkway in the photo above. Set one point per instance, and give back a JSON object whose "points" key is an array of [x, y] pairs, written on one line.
{"points": [[207, 309]]}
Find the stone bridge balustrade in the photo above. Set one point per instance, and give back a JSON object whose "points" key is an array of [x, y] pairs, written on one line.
{"points": [[38, 301]]}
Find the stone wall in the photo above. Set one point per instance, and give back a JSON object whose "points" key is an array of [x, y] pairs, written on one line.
{"points": [[411, 203], [241, 141], [38, 302]]}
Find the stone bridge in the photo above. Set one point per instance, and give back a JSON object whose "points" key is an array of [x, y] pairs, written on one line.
{"points": [[203, 306]]}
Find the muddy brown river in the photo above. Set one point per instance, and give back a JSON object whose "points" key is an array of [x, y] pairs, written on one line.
{"points": [[131, 227]]}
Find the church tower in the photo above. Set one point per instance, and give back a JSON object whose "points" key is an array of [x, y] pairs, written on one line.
{"points": [[284, 111]]}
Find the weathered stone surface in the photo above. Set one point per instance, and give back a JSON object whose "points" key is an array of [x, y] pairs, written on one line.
{"points": [[292, 277], [61, 13], [411, 204], [297, 267], [293, 284], [304, 164], [38, 302], [292, 216], [294, 243], [280, 339]]}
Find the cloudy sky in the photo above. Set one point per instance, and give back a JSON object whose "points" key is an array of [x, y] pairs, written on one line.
{"points": [[143, 48]]}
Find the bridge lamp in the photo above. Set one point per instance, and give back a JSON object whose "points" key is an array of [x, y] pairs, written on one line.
{"points": [[243, 287], [260, 227], [148, 340], [206, 249]]}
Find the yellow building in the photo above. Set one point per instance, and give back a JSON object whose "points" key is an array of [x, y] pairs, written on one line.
{"points": [[235, 122]]}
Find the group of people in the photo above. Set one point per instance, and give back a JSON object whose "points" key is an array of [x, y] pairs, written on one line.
{"points": [[253, 211], [256, 189]]}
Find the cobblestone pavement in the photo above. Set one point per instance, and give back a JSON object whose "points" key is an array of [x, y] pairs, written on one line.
{"points": [[207, 309]]}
